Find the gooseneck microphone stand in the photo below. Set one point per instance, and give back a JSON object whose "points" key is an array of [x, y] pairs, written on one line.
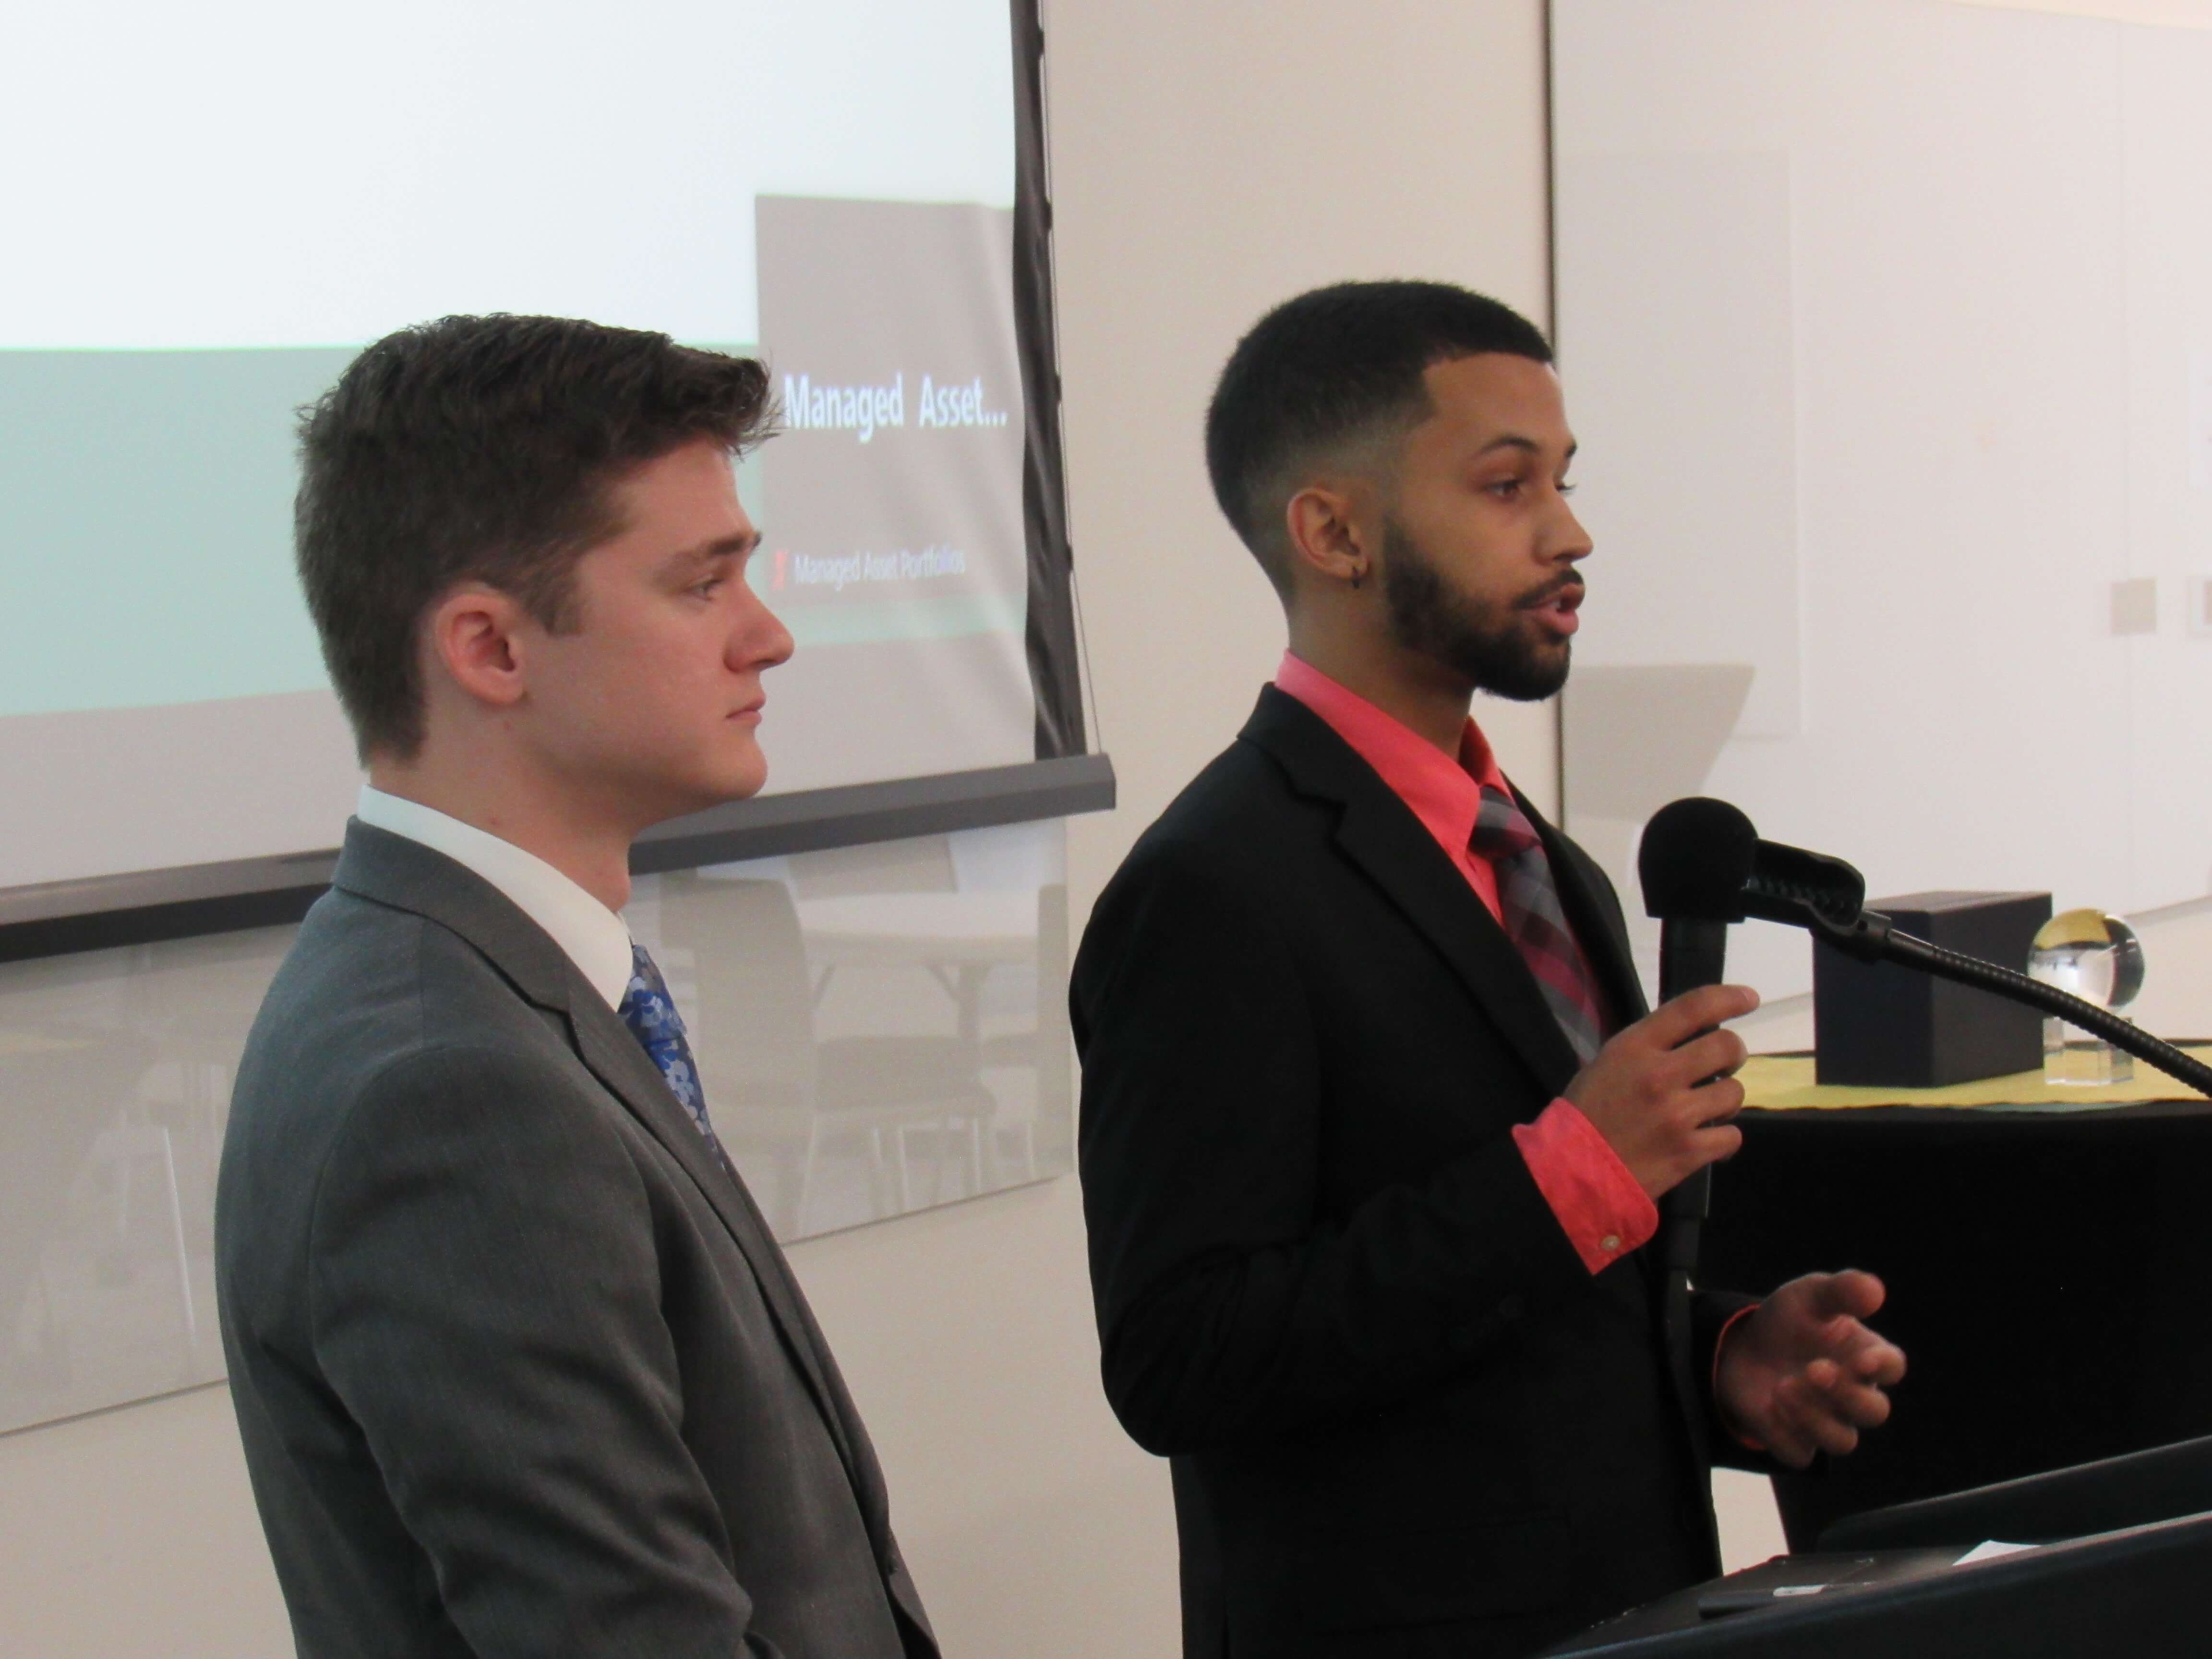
{"points": [[1870, 937], [1703, 866]]}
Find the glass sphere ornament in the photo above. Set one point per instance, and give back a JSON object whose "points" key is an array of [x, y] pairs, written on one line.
{"points": [[2099, 958]]}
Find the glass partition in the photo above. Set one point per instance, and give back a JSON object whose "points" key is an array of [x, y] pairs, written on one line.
{"points": [[880, 1029]]}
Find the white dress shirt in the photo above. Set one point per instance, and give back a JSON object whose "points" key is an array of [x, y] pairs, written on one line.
{"points": [[596, 939]]}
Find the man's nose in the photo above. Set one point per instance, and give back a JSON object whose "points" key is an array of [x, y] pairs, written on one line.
{"points": [[760, 639], [1569, 540]]}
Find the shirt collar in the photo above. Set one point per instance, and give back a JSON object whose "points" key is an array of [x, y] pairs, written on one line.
{"points": [[1443, 793], [593, 937]]}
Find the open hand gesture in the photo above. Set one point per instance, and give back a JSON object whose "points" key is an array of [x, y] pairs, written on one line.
{"points": [[1801, 1374]]}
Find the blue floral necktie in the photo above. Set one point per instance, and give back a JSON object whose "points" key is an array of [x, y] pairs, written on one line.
{"points": [[650, 1013]]}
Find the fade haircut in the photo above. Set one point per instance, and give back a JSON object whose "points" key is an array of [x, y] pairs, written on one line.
{"points": [[1330, 371], [483, 449]]}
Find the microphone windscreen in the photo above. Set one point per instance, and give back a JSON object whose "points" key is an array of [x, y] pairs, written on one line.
{"points": [[1697, 856]]}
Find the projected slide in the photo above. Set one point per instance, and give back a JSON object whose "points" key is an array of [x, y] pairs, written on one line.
{"points": [[210, 212], [892, 502]]}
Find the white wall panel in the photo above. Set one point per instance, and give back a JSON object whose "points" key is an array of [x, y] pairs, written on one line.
{"points": [[1996, 256]]}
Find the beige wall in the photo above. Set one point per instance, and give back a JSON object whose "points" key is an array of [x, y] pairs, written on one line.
{"points": [[2171, 14], [1210, 159]]}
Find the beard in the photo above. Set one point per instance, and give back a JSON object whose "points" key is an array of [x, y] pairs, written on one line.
{"points": [[1495, 646]]}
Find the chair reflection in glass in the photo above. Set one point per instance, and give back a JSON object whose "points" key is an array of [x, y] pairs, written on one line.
{"points": [[73, 1145], [803, 1112]]}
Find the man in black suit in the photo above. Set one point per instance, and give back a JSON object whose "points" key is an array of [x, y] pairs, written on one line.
{"points": [[519, 1369], [1373, 1117]]}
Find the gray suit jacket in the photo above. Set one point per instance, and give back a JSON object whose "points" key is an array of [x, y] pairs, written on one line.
{"points": [[519, 1368]]}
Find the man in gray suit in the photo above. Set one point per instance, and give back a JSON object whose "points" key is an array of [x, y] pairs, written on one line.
{"points": [[519, 1368]]}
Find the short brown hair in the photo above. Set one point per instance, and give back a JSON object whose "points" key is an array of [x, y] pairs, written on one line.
{"points": [[483, 449]]}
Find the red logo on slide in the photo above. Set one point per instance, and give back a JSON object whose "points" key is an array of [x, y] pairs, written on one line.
{"points": [[782, 566]]}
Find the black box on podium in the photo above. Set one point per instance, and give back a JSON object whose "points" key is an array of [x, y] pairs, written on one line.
{"points": [[1889, 1026]]}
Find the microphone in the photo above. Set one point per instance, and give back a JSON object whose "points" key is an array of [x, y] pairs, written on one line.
{"points": [[1701, 861], [1696, 864], [1703, 866]]}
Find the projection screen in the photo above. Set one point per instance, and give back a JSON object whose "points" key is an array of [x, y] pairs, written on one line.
{"points": [[212, 209]]}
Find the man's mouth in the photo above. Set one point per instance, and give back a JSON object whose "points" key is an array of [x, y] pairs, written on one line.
{"points": [[1555, 606]]}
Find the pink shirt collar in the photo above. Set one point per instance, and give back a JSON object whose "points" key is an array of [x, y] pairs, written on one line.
{"points": [[1442, 793]]}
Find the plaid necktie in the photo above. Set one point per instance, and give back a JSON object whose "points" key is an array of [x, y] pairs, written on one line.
{"points": [[650, 1013], [1529, 904]]}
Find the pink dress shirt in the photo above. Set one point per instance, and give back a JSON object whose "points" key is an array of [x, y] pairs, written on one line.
{"points": [[1602, 1208]]}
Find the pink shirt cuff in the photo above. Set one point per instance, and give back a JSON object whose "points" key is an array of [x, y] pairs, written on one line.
{"points": [[1603, 1210]]}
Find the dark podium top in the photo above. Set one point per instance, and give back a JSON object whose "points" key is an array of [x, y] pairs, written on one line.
{"points": [[2045, 1269]]}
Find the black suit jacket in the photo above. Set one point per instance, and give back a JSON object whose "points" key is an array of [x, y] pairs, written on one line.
{"points": [[1403, 1417], [519, 1369]]}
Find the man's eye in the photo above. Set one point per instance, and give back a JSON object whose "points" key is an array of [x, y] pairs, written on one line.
{"points": [[1506, 489], [1566, 489]]}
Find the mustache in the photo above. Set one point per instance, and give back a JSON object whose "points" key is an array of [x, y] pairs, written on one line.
{"points": [[1567, 586]]}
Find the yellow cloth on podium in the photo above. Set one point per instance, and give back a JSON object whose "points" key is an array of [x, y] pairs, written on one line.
{"points": [[1780, 1083]]}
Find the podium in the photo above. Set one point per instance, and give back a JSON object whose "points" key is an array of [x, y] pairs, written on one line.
{"points": [[1890, 1581], [2045, 1270], [2161, 1483]]}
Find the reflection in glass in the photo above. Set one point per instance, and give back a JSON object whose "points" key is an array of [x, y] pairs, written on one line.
{"points": [[115, 1075], [2098, 958], [880, 1029]]}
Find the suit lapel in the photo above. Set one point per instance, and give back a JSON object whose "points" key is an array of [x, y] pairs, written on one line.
{"points": [[1381, 835], [616, 1058], [394, 871], [1597, 923], [1594, 911]]}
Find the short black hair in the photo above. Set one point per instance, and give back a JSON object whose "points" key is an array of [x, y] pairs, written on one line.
{"points": [[1337, 365], [484, 449]]}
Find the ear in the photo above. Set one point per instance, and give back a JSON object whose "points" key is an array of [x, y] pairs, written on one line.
{"points": [[1322, 526], [475, 636]]}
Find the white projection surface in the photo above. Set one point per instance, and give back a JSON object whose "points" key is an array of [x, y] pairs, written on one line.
{"points": [[1885, 327], [209, 210]]}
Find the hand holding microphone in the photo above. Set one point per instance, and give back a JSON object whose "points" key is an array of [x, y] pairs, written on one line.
{"points": [[1662, 1091]]}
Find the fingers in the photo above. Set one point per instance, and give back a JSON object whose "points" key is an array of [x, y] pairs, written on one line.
{"points": [[1716, 1054], [1822, 1409], [1848, 1400], [1851, 1292], [1820, 1315], [1823, 1299], [1824, 1404], [1694, 1010], [1796, 1434], [1877, 1362], [1648, 1093], [1711, 1102], [1716, 1143]]}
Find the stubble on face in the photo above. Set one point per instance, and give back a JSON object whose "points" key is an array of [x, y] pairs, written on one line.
{"points": [[1496, 647]]}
